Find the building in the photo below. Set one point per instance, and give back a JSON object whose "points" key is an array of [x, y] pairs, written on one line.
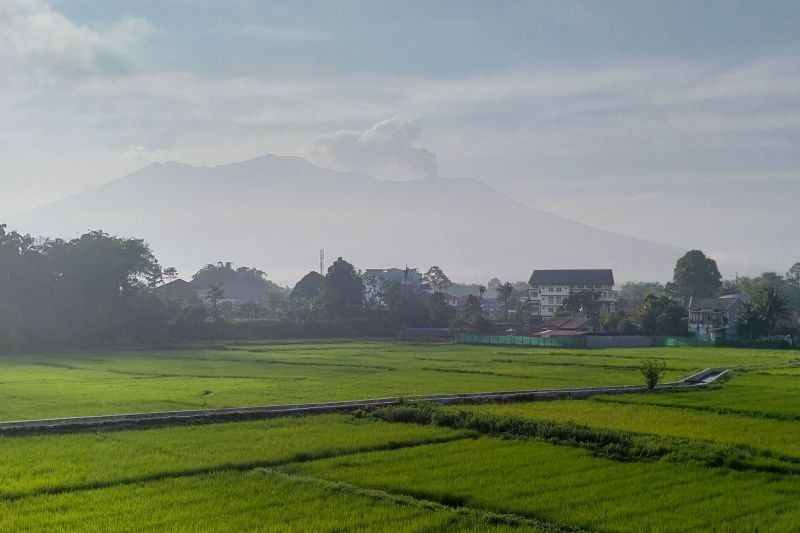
{"points": [[715, 318], [549, 289], [567, 326]]}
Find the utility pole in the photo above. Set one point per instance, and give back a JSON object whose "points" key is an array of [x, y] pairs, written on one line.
{"points": [[322, 262]]}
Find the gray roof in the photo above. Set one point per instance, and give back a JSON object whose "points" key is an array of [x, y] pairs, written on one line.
{"points": [[568, 322], [603, 276], [722, 303]]}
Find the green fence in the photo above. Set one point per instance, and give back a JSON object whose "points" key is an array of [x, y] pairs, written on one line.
{"points": [[570, 342], [682, 341], [517, 340]]}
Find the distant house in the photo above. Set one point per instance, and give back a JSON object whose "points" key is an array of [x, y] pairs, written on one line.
{"points": [[715, 318], [182, 291], [456, 302], [549, 289], [567, 326]]}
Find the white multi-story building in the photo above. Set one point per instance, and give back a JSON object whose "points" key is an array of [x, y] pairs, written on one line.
{"points": [[549, 289]]}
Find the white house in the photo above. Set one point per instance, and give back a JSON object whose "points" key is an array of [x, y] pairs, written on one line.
{"points": [[549, 289], [715, 318]]}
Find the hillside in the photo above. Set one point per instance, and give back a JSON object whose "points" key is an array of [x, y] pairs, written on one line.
{"points": [[276, 212]]}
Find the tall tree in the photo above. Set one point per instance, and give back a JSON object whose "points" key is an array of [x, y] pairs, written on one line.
{"points": [[504, 292], [435, 280], [471, 318], [793, 275], [343, 290], [771, 307], [214, 294], [309, 286], [661, 315], [695, 275]]}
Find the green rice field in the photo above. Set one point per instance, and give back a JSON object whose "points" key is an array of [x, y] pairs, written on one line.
{"points": [[90, 383], [638, 462]]}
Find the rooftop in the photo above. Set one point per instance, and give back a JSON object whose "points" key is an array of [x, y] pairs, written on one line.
{"points": [[603, 276]]}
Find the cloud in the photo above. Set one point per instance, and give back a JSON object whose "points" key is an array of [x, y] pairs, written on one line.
{"points": [[387, 145], [32, 35], [140, 153]]}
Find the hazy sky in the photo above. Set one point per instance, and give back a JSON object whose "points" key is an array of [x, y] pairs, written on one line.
{"points": [[673, 121]]}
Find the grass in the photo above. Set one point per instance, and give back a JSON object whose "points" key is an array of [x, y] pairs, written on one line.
{"points": [[649, 462], [760, 394], [60, 463], [780, 437], [569, 485], [234, 501], [87, 383]]}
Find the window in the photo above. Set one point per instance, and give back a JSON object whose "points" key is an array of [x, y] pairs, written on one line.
{"points": [[558, 289], [550, 299]]}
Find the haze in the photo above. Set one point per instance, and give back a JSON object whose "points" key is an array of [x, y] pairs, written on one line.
{"points": [[674, 122]]}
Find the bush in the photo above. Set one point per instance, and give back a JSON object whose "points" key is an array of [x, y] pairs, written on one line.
{"points": [[653, 371]]}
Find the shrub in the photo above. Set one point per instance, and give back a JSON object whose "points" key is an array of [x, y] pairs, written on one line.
{"points": [[653, 371]]}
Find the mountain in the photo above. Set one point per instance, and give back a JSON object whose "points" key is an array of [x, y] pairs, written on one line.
{"points": [[276, 212]]}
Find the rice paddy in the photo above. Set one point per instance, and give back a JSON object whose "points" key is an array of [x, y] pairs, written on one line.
{"points": [[642, 462]]}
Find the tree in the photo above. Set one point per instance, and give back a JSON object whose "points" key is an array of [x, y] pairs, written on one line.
{"points": [[435, 280], [214, 294], [653, 371], [749, 319], [586, 300], [771, 308], [3, 230], [342, 292], [494, 284], [504, 292], [243, 283], [635, 292], [154, 276], [660, 315], [793, 275], [481, 290], [170, 274], [471, 318], [695, 275], [309, 286]]}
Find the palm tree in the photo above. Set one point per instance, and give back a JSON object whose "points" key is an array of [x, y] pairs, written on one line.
{"points": [[3, 230], [505, 290], [772, 307]]}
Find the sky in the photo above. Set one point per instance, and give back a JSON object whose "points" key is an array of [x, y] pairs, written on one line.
{"points": [[672, 121]]}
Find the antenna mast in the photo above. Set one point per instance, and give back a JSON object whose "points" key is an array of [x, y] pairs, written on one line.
{"points": [[322, 262]]}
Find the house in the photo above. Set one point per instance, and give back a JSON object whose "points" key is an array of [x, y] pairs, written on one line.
{"points": [[715, 318], [456, 302], [567, 326], [182, 291], [549, 289]]}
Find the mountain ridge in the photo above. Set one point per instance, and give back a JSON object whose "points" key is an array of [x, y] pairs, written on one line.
{"points": [[195, 215]]}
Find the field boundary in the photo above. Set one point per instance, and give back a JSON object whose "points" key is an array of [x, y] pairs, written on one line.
{"points": [[699, 380]]}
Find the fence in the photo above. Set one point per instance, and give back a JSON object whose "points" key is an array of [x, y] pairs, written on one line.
{"points": [[589, 341], [518, 340]]}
